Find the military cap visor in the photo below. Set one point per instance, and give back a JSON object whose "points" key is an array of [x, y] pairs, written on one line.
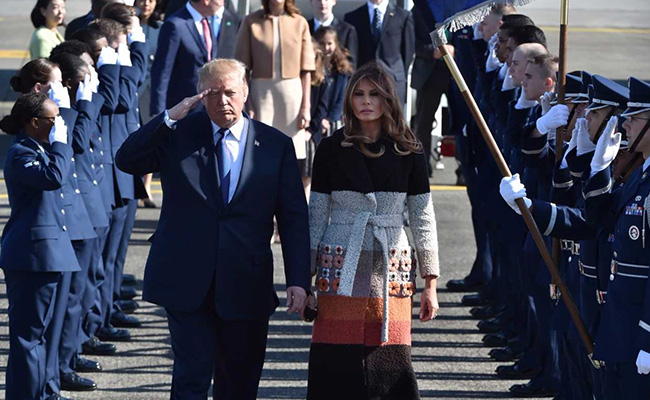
{"points": [[639, 97], [607, 93]]}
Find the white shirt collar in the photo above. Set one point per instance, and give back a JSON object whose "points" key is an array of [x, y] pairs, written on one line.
{"points": [[196, 16], [646, 164], [382, 8], [326, 22], [236, 130]]}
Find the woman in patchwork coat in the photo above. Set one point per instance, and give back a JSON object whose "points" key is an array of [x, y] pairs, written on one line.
{"points": [[363, 265]]}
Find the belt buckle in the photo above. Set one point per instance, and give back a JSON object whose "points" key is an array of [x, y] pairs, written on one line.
{"points": [[565, 245], [613, 267], [576, 249], [600, 296], [581, 268], [554, 293]]}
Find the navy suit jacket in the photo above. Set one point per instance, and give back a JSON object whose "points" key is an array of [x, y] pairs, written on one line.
{"points": [[181, 53], [199, 240], [35, 237], [396, 45]]}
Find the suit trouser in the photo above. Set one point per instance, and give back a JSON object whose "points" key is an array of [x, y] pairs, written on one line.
{"points": [[426, 105], [92, 302], [31, 298], [70, 344], [54, 331], [120, 259], [111, 247], [207, 346], [622, 381]]}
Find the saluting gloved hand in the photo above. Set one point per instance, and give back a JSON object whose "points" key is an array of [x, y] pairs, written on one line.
{"points": [[59, 95], [573, 143], [643, 362], [512, 189], [606, 148], [59, 131], [123, 55], [94, 79], [478, 35], [85, 89], [585, 145], [508, 83], [108, 56], [137, 33], [545, 101], [556, 117], [492, 61]]}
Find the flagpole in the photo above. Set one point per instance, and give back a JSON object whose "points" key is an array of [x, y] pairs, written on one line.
{"points": [[525, 212], [561, 90]]}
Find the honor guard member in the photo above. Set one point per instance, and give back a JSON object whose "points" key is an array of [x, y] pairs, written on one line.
{"points": [[36, 247], [622, 340]]}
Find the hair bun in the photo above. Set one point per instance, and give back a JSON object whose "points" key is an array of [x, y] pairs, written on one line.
{"points": [[9, 125], [15, 83]]}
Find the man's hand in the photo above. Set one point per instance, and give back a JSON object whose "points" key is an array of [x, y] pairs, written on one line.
{"points": [[296, 300], [556, 117], [180, 110], [429, 301], [607, 147], [512, 189]]}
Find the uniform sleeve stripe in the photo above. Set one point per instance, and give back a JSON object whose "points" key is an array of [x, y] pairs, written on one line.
{"points": [[644, 326], [538, 151], [600, 191], [551, 222], [563, 185]]}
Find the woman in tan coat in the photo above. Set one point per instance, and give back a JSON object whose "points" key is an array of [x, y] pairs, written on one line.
{"points": [[276, 46]]}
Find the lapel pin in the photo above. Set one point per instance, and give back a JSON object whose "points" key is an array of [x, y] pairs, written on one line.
{"points": [[228, 23], [390, 14], [257, 143]]}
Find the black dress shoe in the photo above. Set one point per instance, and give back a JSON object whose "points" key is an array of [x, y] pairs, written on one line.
{"points": [[95, 347], [127, 306], [498, 339], [463, 285], [57, 396], [491, 325], [121, 320], [483, 312], [525, 390], [473, 300], [129, 280], [75, 383], [127, 293], [111, 334], [82, 364], [505, 354], [514, 372]]}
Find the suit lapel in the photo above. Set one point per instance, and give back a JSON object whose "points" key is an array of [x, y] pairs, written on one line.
{"points": [[248, 161], [390, 12], [209, 180], [195, 34], [364, 22]]}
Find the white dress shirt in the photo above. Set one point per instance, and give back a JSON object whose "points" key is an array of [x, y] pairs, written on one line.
{"points": [[382, 11], [235, 143], [215, 21], [326, 22]]}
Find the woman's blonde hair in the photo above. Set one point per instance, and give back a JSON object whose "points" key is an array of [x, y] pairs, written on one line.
{"points": [[393, 125]]}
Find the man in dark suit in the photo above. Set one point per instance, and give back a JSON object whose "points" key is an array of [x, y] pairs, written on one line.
{"points": [[225, 177], [82, 22], [386, 34], [346, 33], [183, 47]]}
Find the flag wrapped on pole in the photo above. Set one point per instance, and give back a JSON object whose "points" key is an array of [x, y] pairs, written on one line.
{"points": [[457, 14]]}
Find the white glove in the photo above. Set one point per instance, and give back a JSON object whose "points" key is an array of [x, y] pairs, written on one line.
{"points": [[137, 33], [123, 55], [545, 101], [478, 35], [584, 144], [573, 143], [508, 84], [606, 148], [94, 79], [556, 117], [512, 189], [59, 95], [59, 131], [524, 103], [492, 63], [643, 362], [85, 89], [493, 41], [108, 56]]}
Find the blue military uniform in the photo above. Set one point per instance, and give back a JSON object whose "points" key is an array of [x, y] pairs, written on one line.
{"points": [[36, 250], [624, 212]]}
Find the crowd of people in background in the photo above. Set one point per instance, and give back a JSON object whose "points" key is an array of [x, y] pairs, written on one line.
{"points": [[120, 65]]}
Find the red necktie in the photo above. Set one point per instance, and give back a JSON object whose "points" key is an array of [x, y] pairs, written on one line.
{"points": [[207, 36]]}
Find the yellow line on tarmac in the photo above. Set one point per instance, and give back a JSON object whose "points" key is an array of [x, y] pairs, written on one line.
{"points": [[443, 188], [628, 31], [18, 54]]}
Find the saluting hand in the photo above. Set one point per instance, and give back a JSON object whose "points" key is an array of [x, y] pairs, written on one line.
{"points": [[180, 110], [607, 147], [296, 300]]}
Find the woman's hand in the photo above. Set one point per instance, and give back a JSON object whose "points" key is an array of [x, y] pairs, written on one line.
{"points": [[304, 117], [180, 110], [325, 126], [429, 300]]}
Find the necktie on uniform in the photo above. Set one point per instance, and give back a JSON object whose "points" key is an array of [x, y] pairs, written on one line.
{"points": [[376, 25], [224, 158], [207, 37]]}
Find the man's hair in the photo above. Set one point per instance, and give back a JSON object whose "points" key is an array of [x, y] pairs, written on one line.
{"points": [[87, 36], [74, 47], [109, 28], [528, 34], [69, 64], [512, 21], [119, 12], [219, 68], [98, 5], [503, 9], [548, 64]]}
